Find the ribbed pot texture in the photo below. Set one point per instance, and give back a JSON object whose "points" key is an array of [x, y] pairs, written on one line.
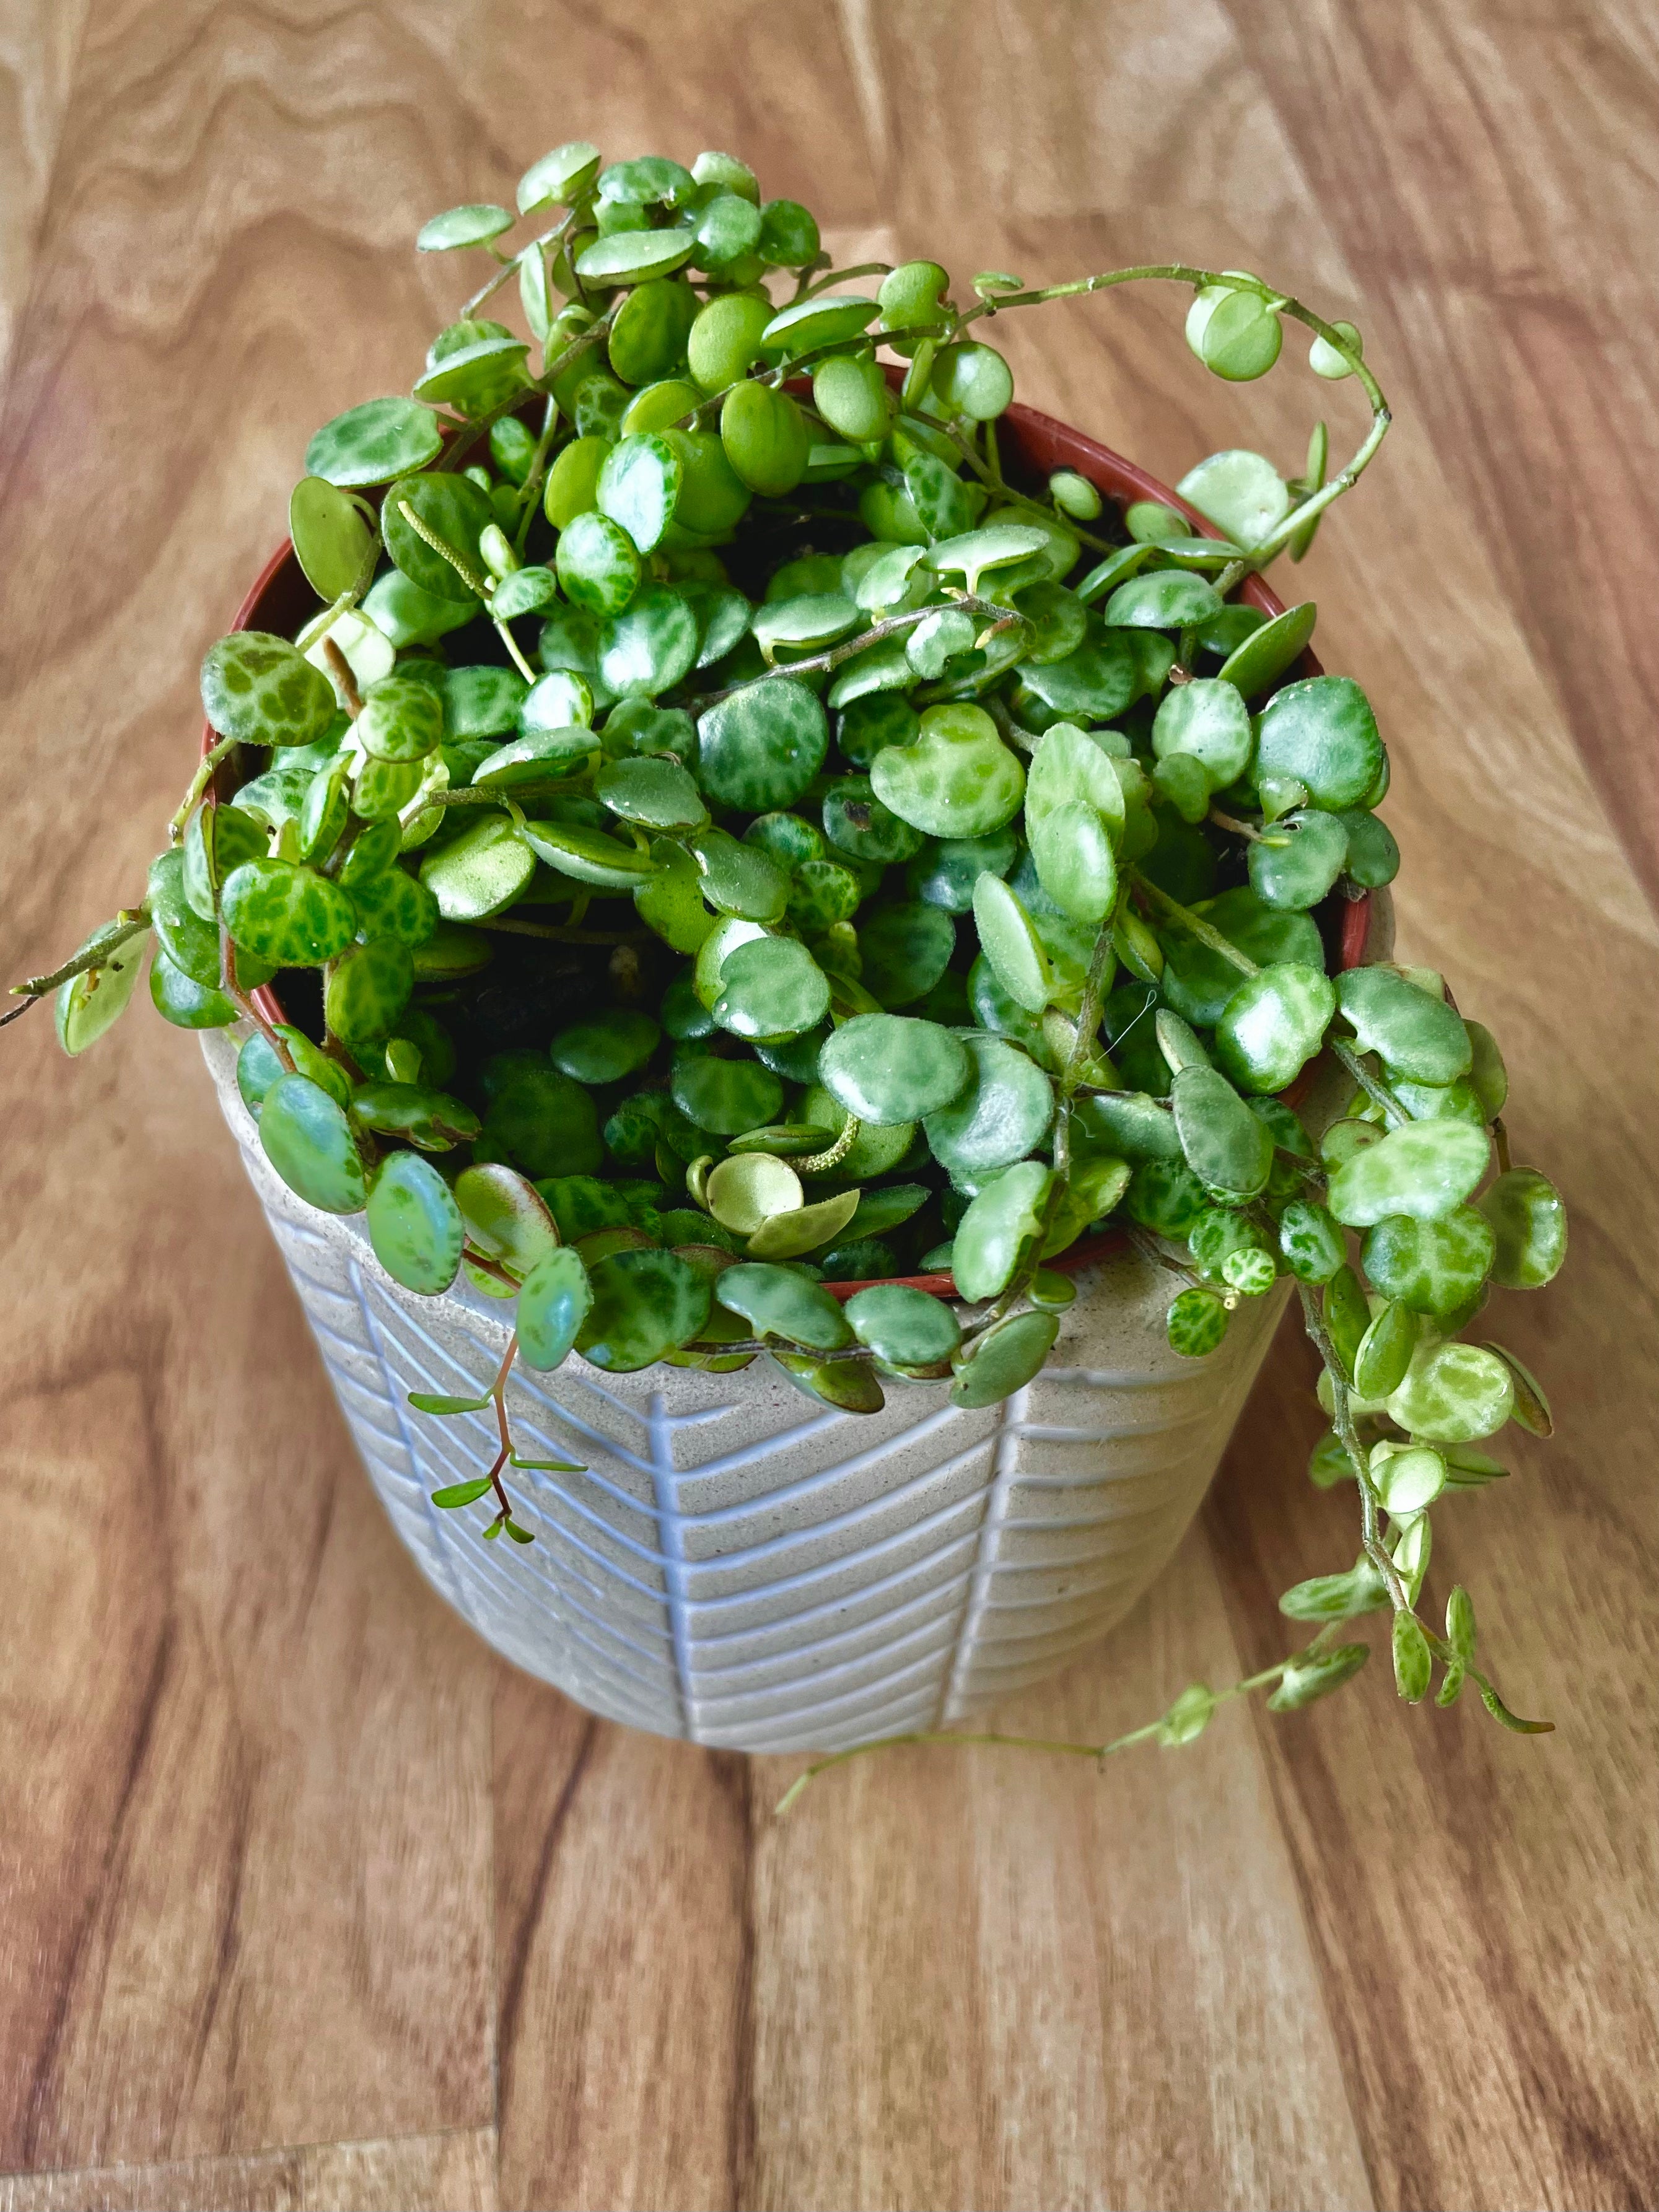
{"points": [[739, 1564]]}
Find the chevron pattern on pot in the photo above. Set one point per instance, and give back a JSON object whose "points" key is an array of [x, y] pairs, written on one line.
{"points": [[743, 1566]]}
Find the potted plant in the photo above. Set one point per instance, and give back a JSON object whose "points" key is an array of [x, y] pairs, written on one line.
{"points": [[798, 956]]}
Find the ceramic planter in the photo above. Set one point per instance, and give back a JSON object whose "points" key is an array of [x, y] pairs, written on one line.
{"points": [[739, 1564]]}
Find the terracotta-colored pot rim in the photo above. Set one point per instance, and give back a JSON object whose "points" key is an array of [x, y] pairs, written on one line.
{"points": [[1048, 445]]}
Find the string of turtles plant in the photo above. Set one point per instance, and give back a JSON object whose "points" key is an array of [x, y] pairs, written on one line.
{"points": [[915, 866]]}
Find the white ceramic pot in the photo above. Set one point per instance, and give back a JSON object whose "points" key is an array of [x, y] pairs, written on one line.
{"points": [[739, 1564], [743, 1566]]}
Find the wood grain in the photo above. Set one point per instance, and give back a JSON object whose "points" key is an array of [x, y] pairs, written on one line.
{"points": [[308, 1901]]}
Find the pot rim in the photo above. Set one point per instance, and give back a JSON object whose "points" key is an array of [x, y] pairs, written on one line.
{"points": [[1048, 444]]}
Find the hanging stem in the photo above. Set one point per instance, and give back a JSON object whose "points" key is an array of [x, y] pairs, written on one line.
{"points": [[1099, 1752]]}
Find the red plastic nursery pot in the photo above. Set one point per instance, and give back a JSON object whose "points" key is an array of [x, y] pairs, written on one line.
{"points": [[281, 600]]}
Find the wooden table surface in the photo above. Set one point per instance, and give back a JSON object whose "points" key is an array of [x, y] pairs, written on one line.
{"points": [[306, 1900]]}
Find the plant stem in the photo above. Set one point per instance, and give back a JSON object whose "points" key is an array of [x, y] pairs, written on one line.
{"points": [[128, 923], [529, 491], [1096, 1751], [199, 784], [1180, 273]]}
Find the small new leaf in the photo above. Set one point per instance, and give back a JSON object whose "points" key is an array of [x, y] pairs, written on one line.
{"points": [[460, 1494], [1500, 1711], [425, 1401], [1188, 1716], [1414, 1663]]}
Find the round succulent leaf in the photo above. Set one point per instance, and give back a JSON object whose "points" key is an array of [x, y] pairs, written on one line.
{"points": [[650, 646], [645, 1303], [857, 823], [89, 1004], [1059, 622], [367, 990], [1167, 598], [891, 1069], [634, 257], [1385, 1350], [414, 1225], [1265, 650], [426, 1118], [1272, 1025], [851, 396], [1425, 1171], [287, 914], [761, 748], [394, 904], [1415, 1032], [606, 1047], [1195, 1323], [1094, 683], [943, 875], [1004, 1359], [544, 1123], [904, 1328], [506, 1217], [598, 564], [1408, 1481], [722, 938], [1070, 766], [525, 592], [588, 856], [402, 719], [1208, 720], [660, 793], [188, 941], [1003, 1114], [480, 872], [1528, 1223], [1453, 1394], [788, 1235], [307, 1138], [1321, 732], [997, 1226], [638, 487], [1312, 1244], [332, 540], [187, 1004], [751, 1188], [217, 841], [261, 690], [1222, 1141], [725, 339], [740, 878], [553, 1305], [725, 1097], [539, 756], [766, 438], [1434, 1267], [849, 1385], [1241, 492], [770, 988], [1299, 860], [1011, 943], [1071, 848], [648, 339], [905, 948], [777, 1302], [671, 901], [374, 443], [453, 508]]}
